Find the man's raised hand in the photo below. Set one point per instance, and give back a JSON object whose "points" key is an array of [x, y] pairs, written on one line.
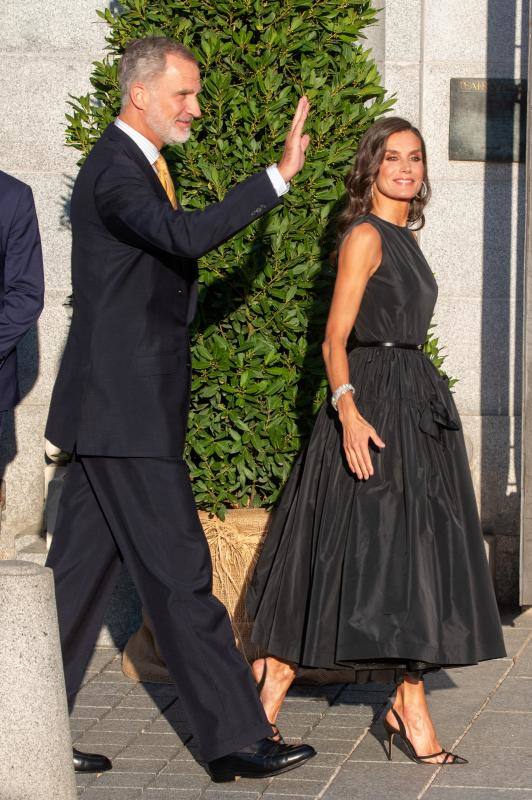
{"points": [[296, 143]]}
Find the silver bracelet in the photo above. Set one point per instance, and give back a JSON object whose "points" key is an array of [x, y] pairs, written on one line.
{"points": [[343, 389]]}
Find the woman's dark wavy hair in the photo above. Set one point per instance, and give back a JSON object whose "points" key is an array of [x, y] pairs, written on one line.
{"points": [[363, 173]]}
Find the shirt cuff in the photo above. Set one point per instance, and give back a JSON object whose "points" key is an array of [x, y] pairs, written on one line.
{"points": [[278, 182]]}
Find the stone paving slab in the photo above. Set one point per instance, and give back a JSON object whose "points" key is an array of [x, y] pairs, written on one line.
{"points": [[483, 793], [379, 781], [496, 767], [485, 711]]}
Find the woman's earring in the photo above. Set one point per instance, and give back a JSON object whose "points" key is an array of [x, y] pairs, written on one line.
{"points": [[423, 192], [372, 185]]}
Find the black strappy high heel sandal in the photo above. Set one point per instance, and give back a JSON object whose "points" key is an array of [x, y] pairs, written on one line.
{"points": [[450, 758], [277, 735]]}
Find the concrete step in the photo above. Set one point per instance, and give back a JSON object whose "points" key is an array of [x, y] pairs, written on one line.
{"points": [[28, 539], [34, 551]]}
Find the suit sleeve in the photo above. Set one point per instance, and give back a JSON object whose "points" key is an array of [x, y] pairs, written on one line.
{"points": [[134, 213], [23, 275]]}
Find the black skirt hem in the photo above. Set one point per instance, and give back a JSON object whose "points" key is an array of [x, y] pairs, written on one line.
{"points": [[407, 663]]}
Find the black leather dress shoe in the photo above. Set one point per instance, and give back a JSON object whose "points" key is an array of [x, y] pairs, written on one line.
{"points": [[90, 762], [262, 760]]}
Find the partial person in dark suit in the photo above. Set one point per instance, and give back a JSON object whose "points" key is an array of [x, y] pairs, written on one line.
{"points": [[120, 404], [21, 280]]}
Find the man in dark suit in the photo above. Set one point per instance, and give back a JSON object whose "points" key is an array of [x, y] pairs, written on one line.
{"points": [[21, 280], [120, 404]]}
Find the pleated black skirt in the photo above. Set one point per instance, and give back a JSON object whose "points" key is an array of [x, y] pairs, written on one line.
{"points": [[391, 571]]}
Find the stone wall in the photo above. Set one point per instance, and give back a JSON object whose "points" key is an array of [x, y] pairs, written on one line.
{"points": [[473, 238]]}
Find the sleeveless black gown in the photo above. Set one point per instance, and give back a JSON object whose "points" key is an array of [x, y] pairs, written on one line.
{"points": [[390, 571]]}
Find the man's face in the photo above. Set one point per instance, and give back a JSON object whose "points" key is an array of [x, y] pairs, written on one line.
{"points": [[171, 102]]}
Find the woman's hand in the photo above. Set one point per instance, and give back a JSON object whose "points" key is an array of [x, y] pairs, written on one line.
{"points": [[357, 434]]}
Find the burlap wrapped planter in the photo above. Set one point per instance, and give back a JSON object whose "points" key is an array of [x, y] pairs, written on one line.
{"points": [[235, 546]]}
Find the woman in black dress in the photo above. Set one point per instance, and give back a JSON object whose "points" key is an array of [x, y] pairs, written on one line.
{"points": [[375, 555]]}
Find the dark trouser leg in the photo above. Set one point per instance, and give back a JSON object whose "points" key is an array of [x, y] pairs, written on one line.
{"points": [[86, 563], [149, 506]]}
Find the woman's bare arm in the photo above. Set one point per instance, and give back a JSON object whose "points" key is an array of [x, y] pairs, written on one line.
{"points": [[359, 258]]}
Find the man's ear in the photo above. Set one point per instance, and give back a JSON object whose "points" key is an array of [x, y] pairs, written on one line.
{"points": [[138, 95]]}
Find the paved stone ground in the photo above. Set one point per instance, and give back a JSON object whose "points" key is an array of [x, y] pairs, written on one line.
{"points": [[484, 712]]}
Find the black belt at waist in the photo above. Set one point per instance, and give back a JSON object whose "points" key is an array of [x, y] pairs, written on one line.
{"points": [[402, 345]]}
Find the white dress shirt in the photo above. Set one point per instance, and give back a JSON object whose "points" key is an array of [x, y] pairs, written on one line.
{"points": [[152, 154]]}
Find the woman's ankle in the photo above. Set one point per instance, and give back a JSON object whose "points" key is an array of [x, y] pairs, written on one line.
{"points": [[282, 670]]}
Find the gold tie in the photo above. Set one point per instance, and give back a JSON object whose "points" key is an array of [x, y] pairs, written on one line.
{"points": [[161, 167]]}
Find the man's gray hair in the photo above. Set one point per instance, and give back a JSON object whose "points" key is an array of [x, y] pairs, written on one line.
{"points": [[144, 59]]}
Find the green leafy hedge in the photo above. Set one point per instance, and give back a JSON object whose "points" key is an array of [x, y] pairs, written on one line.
{"points": [[258, 374]]}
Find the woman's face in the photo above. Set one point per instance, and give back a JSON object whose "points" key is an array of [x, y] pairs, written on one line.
{"points": [[402, 170]]}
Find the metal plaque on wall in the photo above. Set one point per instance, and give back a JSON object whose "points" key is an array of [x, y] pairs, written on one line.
{"points": [[487, 120]]}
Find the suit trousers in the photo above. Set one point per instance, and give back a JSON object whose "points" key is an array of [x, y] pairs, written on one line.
{"points": [[141, 511]]}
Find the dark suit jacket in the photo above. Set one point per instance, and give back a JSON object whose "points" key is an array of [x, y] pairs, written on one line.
{"points": [[21, 278], [124, 382]]}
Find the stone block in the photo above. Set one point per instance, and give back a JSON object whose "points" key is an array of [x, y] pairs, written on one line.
{"points": [[403, 20], [472, 679], [62, 26], [484, 793], [96, 683], [375, 36], [479, 30], [480, 352], [93, 738], [35, 552], [146, 765], [83, 780], [523, 666], [338, 746], [21, 462], [33, 141], [154, 751], [514, 639], [107, 725], [516, 728], [402, 79], [400, 781], [507, 570], [123, 780], [300, 788], [133, 700], [339, 728], [156, 739], [182, 766], [300, 795], [129, 713], [171, 794], [96, 702], [515, 694], [473, 239], [23, 540], [170, 780], [94, 793], [526, 561], [494, 462], [214, 794], [34, 735]]}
